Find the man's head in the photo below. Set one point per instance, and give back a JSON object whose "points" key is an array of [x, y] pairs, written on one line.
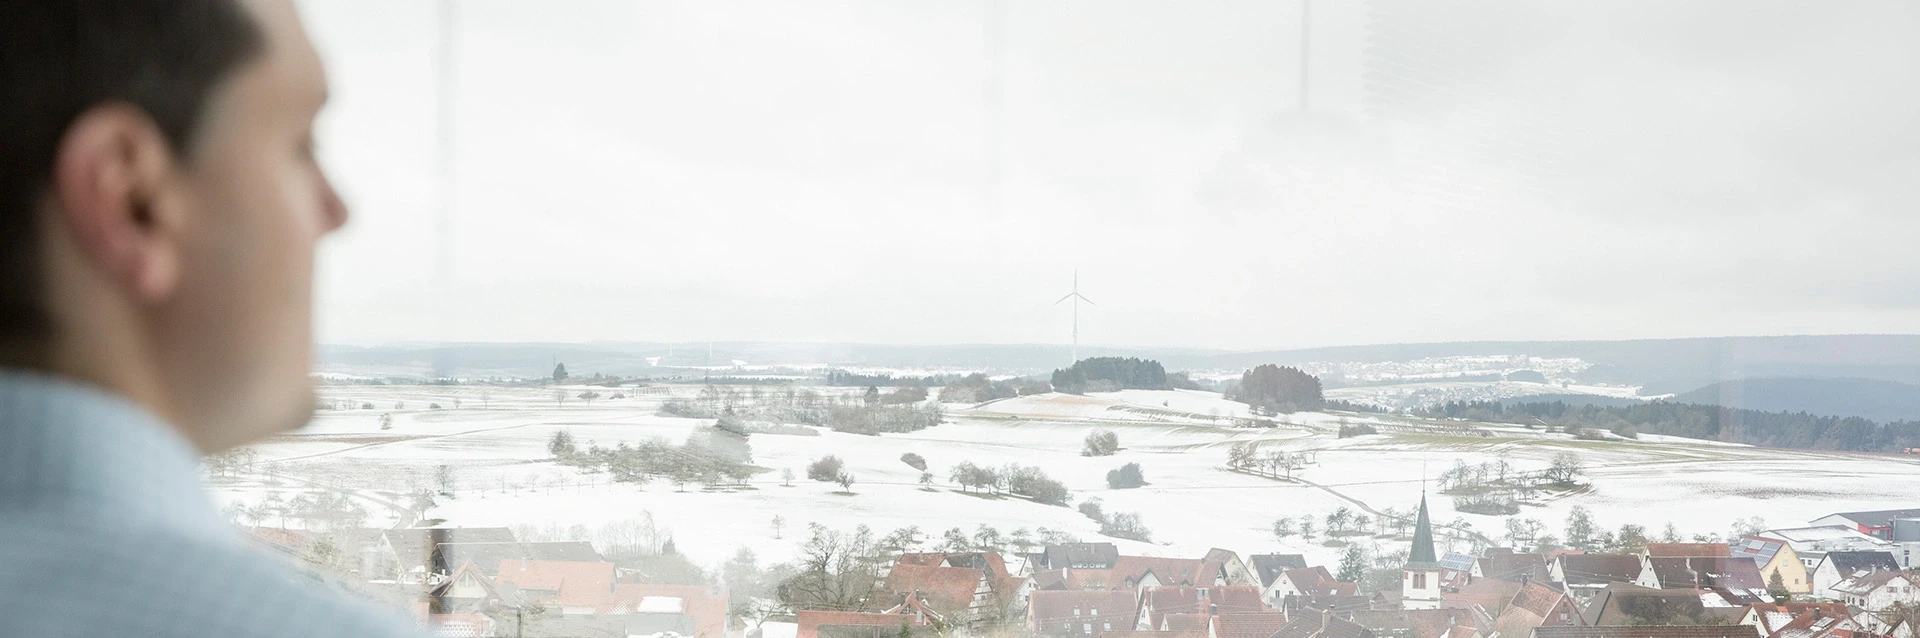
{"points": [[160, 203]]}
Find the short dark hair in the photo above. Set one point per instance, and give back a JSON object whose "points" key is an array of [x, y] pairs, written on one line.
{"points": [[60, 58]]}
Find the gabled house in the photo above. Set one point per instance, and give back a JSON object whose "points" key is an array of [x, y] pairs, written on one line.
{"points": [[566, 587], [1878, 590], [1627, 604], [1080, 556], [1882, 624], [470, 591], [961, 594], [1536, 605], [695, 611], [1313, 581], [1500, 564], [1584, 574], [1226, 568], [1839, 566], [1081, 612], [1489, 594], [1135, 572], [1268, 567], [1456, 570], [1800, 620], [910, 613], [1775, 556], [1416, 623], [1158, 605], [1321, 625], [489, 555], [408, 553], [1701, 572]]}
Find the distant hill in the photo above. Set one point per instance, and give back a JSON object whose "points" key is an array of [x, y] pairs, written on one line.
{"points": [[1660, 366], [1881, 401]]}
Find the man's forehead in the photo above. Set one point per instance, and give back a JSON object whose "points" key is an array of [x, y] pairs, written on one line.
{"points": [[293, 68]]}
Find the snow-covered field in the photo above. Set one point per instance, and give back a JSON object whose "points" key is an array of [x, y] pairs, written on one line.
{"points": [[494, 445]]}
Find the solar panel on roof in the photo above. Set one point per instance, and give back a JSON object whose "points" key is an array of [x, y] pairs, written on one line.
{"points": [[1460, 562]]}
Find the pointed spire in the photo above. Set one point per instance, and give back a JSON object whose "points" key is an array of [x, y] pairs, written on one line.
{"points": [[1421, 556]]}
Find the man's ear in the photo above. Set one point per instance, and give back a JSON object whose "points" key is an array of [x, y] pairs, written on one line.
{"points": [[112, 181]]}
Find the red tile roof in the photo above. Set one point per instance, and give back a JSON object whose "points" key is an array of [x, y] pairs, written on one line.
{"points": [[1169, 571], [811, 621], [1140, 633], [1537, 598], [1255, 625], [1161, 601], [1237, 599], [1416, 623], [574, 583], [707, 604], [1315, 581], [1188, 622], [947, 589], [1049, 610]]}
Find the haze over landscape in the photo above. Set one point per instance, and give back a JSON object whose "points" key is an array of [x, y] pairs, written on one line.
{"points": [[693, 171], [747, 296]]}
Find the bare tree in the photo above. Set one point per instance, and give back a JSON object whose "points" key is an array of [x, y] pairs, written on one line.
{"points": [[838, 571]]}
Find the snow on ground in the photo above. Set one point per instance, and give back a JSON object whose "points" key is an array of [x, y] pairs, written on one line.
{"points": [[495, 446], [1413, 395]]}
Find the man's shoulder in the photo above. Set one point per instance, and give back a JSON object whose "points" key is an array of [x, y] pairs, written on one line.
{"points": [[84, 578]]}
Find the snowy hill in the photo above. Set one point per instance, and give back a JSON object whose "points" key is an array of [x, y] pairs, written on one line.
{"points": [[494, 445]]}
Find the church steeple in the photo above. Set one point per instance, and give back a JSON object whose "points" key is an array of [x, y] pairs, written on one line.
{"points": [[1421, 556], [1420, 579]]}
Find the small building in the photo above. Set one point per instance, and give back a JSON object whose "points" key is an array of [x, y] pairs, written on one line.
{"points": [[960, 594], [1582, 575], [1775, 556], [910, 613], [1835, 567], [1080, 556], [1536, 605], [1625, 604], [1701, 572], [1504, 564], [1268, 567], [1313, 581], [1799, 620], [1877, 591], [1081, 612]]}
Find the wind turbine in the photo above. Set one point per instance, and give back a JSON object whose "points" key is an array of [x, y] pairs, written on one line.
{"points": [[1077, 298]]}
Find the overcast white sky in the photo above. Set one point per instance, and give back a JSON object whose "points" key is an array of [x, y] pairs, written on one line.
{"points": [[813, 171]]}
